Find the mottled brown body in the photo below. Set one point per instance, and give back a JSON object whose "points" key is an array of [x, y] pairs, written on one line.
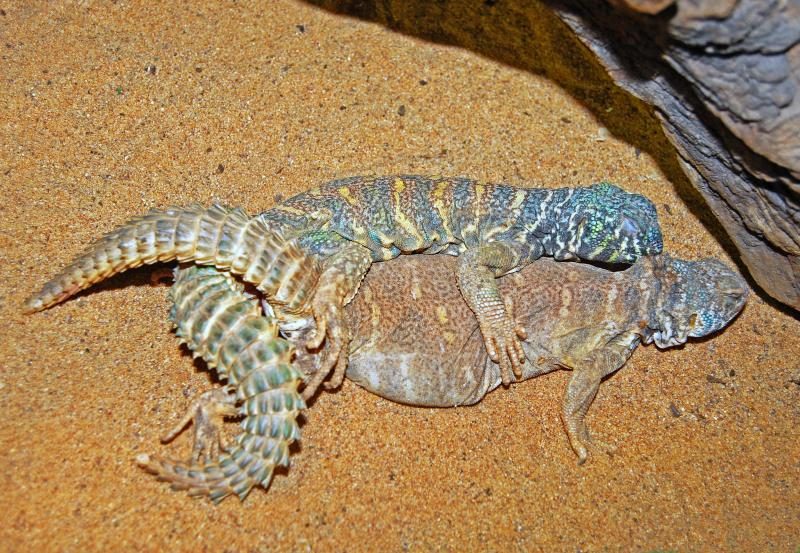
{"points": [[416, 343]]}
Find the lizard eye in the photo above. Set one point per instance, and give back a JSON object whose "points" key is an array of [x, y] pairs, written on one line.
{"points": [[629, 227]]}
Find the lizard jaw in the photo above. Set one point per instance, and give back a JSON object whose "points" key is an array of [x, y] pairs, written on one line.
{"points": [[665, 339]]}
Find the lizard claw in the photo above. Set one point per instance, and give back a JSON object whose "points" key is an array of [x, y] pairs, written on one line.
{"points": [[585, 443], [502, 336], [321, 316], [338, 371], [206, 413], [331, 325]]}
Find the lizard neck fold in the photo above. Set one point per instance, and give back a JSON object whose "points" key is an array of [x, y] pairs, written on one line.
{"points": [[664, 327], [641, 298]]}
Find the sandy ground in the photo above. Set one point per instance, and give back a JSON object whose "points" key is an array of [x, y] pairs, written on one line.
{"points": [[109, 109]]}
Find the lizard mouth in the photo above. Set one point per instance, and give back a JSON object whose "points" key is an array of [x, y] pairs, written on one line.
{"points": [[665, 340]]}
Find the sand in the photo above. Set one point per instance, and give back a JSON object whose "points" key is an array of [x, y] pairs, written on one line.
{"points": [[110, 109]]}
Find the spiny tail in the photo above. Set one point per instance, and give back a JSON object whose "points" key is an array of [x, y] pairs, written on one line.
{"points": [[219, 321], [226, 238]]}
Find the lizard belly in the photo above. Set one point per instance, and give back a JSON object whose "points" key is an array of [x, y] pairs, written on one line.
{"points": [[426, 379]]}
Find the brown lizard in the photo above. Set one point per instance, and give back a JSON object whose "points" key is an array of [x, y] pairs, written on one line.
{"points": [[587, 319], [580, 317]]}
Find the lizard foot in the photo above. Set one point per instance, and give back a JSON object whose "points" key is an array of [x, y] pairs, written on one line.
{"points": [[331, 327], [582, 442], [502, 337], [206, 413]]}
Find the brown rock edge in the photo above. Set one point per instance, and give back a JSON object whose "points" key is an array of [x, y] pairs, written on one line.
{"points": [[723, 78]]}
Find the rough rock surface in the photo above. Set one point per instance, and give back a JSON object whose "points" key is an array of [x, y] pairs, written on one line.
{"points": [[723, 78]]}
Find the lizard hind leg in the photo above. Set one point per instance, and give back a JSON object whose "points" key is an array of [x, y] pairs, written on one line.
{"points": [[206, 413], [581, 391], [477, 270], [583, 386]]}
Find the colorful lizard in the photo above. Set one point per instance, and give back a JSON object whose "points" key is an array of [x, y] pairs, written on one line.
{"points": [[586, 319], [348, 224]]}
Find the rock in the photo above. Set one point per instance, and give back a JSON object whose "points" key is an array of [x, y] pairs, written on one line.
{"points": [[724, 78]]}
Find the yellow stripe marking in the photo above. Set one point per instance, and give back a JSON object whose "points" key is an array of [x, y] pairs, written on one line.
{"points": [[441, 188], [479, 204], [401, 219], [441, 314], [519, 197], [344, 192], [606, 241], [289, 209], [438, 196]]}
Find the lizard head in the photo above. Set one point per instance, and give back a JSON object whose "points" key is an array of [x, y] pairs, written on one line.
{"points": [[602, 222], [696, 298]]}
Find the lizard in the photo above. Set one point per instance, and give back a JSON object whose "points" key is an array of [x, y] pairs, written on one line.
{"points": [[584, 318], [346, 225], [587, 319]]}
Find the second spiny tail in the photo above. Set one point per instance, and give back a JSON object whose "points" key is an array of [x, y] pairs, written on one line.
{"points": [[225, 326], [224, 237]]}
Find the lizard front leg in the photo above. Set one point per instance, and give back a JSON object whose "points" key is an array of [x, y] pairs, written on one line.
{"points": [[477, 270], [583, 386], [340, 279]]}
